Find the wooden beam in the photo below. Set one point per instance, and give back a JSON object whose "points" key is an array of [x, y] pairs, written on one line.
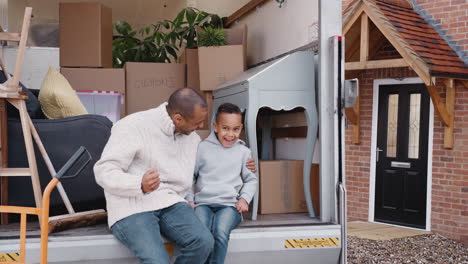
{"points": [[376, 64], [22, 46], [6, 172], [364, 51], [438, 104], [243, 11], [450, 104], [353, 19], [376, 39], [10, 36], [353, 116]]}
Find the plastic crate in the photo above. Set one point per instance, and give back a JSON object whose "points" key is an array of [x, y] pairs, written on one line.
{"points": [[106, 103]]}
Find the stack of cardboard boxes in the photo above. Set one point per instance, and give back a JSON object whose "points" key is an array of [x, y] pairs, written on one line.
{"points": [[209, 67], [86, 61], [86, 50]]}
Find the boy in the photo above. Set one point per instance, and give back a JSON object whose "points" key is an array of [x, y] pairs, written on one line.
{"points": [[225, 186]]}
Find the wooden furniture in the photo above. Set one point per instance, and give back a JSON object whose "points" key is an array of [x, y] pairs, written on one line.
{"points": [[283, 84], [11, 91], [42, 210]]}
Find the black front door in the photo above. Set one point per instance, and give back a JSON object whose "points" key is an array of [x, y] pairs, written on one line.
{"points": [[401, 169]]}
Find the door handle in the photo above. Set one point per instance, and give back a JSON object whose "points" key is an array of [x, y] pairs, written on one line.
{"points": [[377, 153]]}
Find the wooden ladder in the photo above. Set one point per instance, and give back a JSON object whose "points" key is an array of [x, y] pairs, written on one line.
{"points": [[11, 91]]}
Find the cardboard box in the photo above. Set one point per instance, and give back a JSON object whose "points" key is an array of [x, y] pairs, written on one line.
{"points": [[85, 35], [294, 149], [190, 58], [151, 84], [220, 64], [96, 79], [281, 187]]}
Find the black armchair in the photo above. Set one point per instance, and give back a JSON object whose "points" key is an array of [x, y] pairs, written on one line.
{"points": [[61, 138]]}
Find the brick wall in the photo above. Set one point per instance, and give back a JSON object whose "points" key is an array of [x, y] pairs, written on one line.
{"points": [[450, 167], [450, 172], [450, 19]]}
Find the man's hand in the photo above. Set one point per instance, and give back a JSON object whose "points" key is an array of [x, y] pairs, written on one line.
{"points": [[250, 164], [150, 181], [242, 205], [192, 204]]}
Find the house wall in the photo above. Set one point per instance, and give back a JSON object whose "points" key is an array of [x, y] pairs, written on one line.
{"points": [[450, 166]]}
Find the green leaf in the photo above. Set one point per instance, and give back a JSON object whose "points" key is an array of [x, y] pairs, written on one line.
{"points": [[172, 51], [179, 19], [122, 27], [165, 23], [191, 15]]}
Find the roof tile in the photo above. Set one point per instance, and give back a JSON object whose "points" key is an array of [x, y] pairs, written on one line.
{"points": [[422, 38]]}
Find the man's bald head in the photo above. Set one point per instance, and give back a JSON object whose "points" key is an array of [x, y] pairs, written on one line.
{"points": [[184, 101]]}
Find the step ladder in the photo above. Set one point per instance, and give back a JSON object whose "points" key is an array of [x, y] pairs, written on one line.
{"points": [[10, 91]]}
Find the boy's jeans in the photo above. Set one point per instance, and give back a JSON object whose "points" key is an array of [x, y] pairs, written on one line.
{"points": [[220, 220], [141, 233]]}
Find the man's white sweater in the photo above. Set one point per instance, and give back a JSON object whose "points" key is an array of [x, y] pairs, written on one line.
{"points": [[140, 142]]}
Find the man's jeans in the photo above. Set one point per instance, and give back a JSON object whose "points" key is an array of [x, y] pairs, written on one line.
{"points": [[220, 220], [141, 233]]}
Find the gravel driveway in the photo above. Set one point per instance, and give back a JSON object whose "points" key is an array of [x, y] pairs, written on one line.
{"points": [[430, 248]]}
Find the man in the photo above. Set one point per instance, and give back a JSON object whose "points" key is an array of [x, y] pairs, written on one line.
{"points": [[146, 169]]}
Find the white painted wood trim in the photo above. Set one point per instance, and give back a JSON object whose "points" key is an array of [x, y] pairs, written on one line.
{"points": [[375, 112], [429, 166]]}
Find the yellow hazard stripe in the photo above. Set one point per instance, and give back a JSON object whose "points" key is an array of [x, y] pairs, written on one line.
{"points": [[312, 242], [9, 257]]}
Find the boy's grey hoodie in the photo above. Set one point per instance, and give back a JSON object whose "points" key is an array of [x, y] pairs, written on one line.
{"points": [[220, 173]]}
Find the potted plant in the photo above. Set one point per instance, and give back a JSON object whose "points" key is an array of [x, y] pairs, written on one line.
{"points": [[188, 20], [146, 55], [149, 44], [212, 37], [186, 24]]}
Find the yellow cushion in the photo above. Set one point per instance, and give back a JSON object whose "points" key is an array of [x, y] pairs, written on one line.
{"points": [[57, 98]]}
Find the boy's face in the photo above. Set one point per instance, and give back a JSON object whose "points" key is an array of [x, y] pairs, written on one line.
{"points": [[228, 127]]}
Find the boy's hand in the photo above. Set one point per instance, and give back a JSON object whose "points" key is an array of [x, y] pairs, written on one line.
{"points": [[150, 181], [192, 204], [242, 205], [250, 164]]}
